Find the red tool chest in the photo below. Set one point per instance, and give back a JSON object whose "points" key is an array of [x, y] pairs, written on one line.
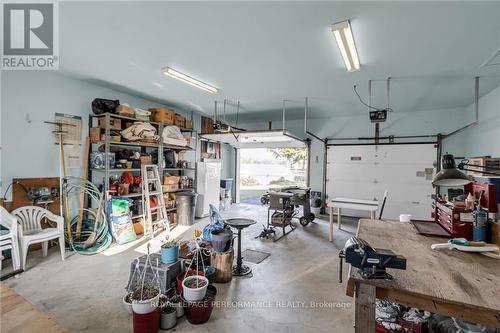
{"points": [[458, 221]]}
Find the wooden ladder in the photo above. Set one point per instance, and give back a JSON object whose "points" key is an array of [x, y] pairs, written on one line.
{"points": [[151, 175]]}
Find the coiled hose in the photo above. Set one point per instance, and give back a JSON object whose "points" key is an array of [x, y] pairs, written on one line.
{"points": [[94, 236]]}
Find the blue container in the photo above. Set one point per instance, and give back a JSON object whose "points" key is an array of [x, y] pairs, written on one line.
{"points": [[210, 273], [479, 234], [170, 255]]}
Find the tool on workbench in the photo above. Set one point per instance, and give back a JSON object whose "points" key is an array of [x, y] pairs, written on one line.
{"points": [[371, 262], [463, 244]]}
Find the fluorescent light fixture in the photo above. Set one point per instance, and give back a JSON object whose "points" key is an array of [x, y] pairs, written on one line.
{"points": [[188, 79], [343, 34]]}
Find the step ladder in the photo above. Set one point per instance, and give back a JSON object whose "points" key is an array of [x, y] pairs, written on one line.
{"points": [[154, 217]]}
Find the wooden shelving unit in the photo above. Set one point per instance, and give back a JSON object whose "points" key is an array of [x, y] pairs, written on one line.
{"points": [[144, 147]]}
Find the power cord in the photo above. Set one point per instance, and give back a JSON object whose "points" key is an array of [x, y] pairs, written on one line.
{"points": [[4, 197], [369, 106]]}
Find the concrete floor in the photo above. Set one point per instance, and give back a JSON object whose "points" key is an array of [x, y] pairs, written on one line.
{"points": [[84, 293]]}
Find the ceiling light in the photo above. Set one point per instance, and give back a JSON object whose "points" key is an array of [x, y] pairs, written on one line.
{"points": [[188, 79], [343, 34]]}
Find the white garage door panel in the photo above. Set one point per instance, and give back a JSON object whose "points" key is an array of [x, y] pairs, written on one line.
{"points": [[391, 167]]}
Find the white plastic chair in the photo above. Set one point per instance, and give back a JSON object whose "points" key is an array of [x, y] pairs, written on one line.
{"points": [[8, 236], [31, 232]]}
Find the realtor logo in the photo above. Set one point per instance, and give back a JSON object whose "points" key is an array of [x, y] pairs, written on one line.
{"points": [[30, 36]]}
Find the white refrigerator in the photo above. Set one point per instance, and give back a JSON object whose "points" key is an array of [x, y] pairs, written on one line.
{"points": [[207, 186]]}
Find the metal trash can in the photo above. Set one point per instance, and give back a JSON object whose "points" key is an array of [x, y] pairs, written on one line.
{"points": [[186, 204]]}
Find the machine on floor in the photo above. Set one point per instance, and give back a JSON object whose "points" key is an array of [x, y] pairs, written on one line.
{"points": [[301, 196]]}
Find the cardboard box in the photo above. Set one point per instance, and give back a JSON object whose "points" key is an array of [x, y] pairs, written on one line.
{"points": [[163, 115], [171, 180], [125, 110], [95, 134], [483, 161], [112, 138], [114, 124], [189, 124], [170, 188], [146, 159], [180, 121]]}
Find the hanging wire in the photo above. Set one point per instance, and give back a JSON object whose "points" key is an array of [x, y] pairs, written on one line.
{"points": [[367, 105]]}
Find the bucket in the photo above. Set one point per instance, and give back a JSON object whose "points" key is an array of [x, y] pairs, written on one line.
{"points": [[194, 293], [146, 323], [199, 312], [221, 239], [146, 306], [180, 277], [170, 255], [168, 320]]}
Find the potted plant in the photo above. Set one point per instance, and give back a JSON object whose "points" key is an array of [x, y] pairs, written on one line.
{"points": [[145, 298], [200, 312], [145, 291], [169, 251], [194, 288], [168, 318]]}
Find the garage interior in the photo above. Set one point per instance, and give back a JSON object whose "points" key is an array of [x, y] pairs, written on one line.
{"points": [[250, 166]]}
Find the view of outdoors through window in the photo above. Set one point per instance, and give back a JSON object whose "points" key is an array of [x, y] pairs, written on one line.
{"points": [[263, 168]]}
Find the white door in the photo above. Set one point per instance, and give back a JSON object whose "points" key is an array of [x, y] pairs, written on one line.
{"points": [[366, 171]]}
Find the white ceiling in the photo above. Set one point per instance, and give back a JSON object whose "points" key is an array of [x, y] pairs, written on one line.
{"points": [[262, 52]]}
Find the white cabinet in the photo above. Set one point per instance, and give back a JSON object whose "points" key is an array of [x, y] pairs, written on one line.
{"points": [[207, 186]]}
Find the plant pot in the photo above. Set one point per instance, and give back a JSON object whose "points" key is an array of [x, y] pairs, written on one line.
{"points": [[180, 277], [127, 305], [146, 306], [221, 239], [169, 255], [199, 312], [210, 274], [194, 293], [168, 320], [146, 323], [179, 309]]}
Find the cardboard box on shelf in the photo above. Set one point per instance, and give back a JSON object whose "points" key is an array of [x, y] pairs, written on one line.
{"points": [[112, 138], [482, 161], [125, 110], [170, 187], [95, 134], [114, 123], [162, 115], [171, 180], [180, 121], [146, 159]]}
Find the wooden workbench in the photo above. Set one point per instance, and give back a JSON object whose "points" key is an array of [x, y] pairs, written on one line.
{"points": [[449, 282], [20, 316]]}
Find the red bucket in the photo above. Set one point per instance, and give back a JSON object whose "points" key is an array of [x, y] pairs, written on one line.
{"points": [[147, 323], [199, 312], [180, 278]]}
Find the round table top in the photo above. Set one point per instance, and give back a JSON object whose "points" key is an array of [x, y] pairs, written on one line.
{"points": [[239, 222]]}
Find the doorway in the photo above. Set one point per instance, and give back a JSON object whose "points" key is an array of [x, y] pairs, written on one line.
{"points": [[262, 169]]}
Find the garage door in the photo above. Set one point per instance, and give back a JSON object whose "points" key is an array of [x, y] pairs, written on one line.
{"points": [[366, 171]]}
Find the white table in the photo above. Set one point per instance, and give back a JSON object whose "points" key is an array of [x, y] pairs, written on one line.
{"points": [[350, 203]]}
